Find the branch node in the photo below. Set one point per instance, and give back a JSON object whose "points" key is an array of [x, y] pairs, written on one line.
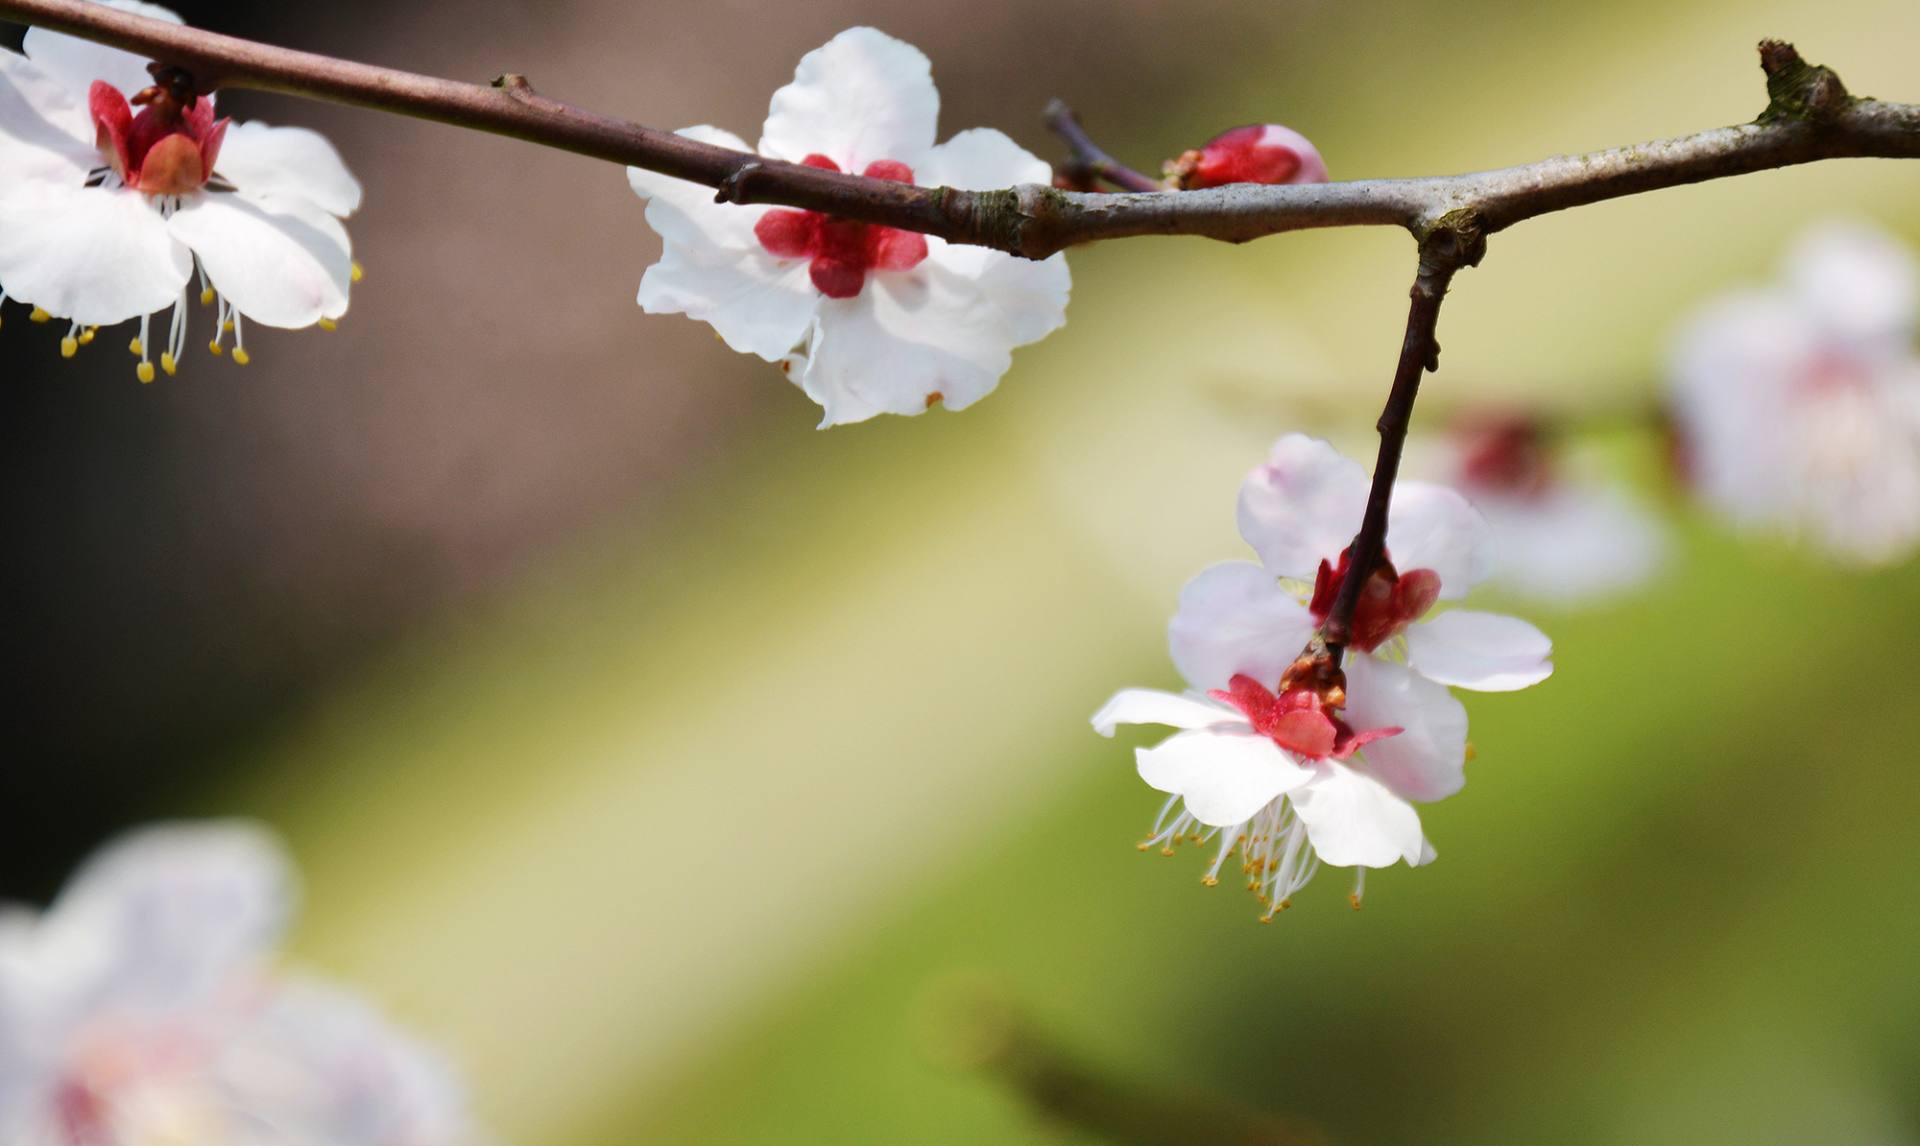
{"points": [[734, 188], [514, 85], [1797, 90]]}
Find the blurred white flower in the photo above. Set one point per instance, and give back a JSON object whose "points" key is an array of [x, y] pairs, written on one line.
{"points": [[106, 214], [1560, 535], [1798, 405], [143, 1008], [865, 319], [1324, 767]]}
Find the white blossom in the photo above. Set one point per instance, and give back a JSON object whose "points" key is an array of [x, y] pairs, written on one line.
{"points": [[109, 211], [1798, 404], [865, 319], [145, 1007]]}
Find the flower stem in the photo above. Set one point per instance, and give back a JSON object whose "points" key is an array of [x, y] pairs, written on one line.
{"points": [[1456, 242]]}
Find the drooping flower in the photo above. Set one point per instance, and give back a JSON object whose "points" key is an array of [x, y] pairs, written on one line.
{"points": [[1324, 766], [1797, 405], [1256, 153], [1561, 534], [865, 319], [144, 1007], [108, 214]]}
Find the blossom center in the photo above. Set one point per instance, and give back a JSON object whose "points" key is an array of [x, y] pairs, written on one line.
{"points": [[1304, 716], [1389, 601], [841, 253], [169, 148]]}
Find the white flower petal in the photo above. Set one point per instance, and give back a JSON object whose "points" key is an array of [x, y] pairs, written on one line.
{"points": [[1302, 507], [89, 255], [1433, 527], [713, 268], [861, 97], [1224, 777], [911, 338], [1573, 543], [981, 159], [268, 163], [1427, 761], [758, 304], [1483, 651], [284, 263], [323, 1066], [39, 110], [1354, 820], [1151, 706], [1235, 618], [79, 62], [163, 915], [1028, 298], [1857, 280], [680, 211]]}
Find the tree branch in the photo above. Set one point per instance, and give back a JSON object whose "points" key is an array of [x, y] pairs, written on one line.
{"points": [[1809, 117]]}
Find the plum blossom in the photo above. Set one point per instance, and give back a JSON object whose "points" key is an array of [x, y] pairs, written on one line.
{"points": [[1797, 405], [1560, 534], [144, 1007], [864, 319], [119, 188], [1324, 766], [1257, 153]]}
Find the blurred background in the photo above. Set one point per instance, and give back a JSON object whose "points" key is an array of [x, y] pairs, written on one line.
{"points": [[693, 776]]}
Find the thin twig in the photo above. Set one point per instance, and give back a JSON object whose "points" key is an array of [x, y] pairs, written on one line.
{"points": [[1444, 251], [1086, 159], [1809, 117]]}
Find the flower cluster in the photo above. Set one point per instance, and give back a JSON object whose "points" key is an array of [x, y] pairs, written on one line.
{"points": [[143, 1007], [865, 319], [109, 214], [1324, 764], [1797, 405]]}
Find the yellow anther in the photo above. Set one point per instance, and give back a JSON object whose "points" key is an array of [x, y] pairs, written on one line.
{"points": [[240, 356], [358, 272], [206, 296], [168, 364], [214, 348], [69, 346], [1209, 881], [40, 314], [329, 324], [135, 346], [1354, 899], [227, 326], [1472, 752], [144, 371], [86, 336]]}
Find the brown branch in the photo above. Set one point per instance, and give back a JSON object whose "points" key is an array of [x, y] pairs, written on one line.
{"points": [[1457, 242], [1086, 160], [1809, 117]]}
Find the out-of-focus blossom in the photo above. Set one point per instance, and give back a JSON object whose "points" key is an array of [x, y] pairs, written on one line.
{"points": [[1326, 765], [865, 319], [144, 1007], [1559, 535], [1797, 405], [107, 213], [1256, 153]]}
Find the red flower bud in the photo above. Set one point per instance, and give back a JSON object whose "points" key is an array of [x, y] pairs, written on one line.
{"points": [[1257, 153]]}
